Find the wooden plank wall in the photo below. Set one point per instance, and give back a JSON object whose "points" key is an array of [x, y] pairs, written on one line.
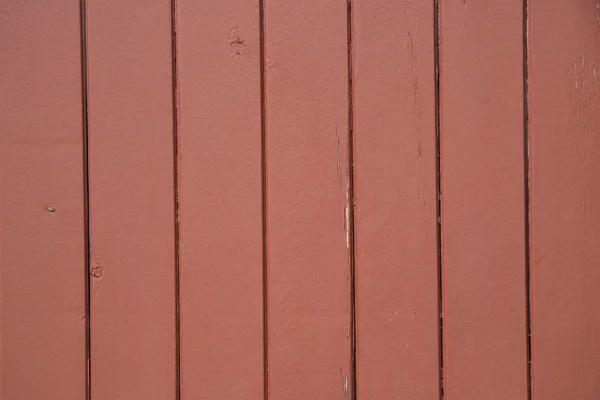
{"points": [[283, 199]]}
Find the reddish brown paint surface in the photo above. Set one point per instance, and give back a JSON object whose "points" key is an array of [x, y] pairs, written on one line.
{"points": [[131, 200], [42, 259], [565, 198], [220, 200], [308, 199], [395, 178], [309, 310], [483, 203]]}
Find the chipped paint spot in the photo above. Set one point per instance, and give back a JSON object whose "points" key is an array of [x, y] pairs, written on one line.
{"points": [[237, 46], [96, 270], [346, 389]]}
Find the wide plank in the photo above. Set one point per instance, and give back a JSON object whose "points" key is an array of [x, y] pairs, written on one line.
{"points": [[483, 200], [308, 229], [564, 71], [397, 312], [42, 228], [133, 342], [220, 199]]}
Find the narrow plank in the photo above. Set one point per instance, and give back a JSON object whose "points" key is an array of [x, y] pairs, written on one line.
{"points": [[565, 198], [309, 311], [220, 200], [42, 245], [131, 200], [396, 201], [483, 200]]}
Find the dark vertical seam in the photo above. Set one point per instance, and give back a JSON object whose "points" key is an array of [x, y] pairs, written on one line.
{"points": [[175, 105], [438, 156], [350, 205], [86, 194], [527, 190], [265, 238]]}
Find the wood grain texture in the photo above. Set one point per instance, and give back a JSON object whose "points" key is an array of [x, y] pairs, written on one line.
{"points": [[42, 245], [565, 198], [483, 202], [309, 310], [220, 200], [131, 200], [396, 200]]}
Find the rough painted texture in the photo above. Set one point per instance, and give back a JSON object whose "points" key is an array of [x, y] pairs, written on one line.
{"points": [[395, 178], [483, 202], [309, 310], [42, 247], [565, 198], [131, 200], [220, 200], [308, 200]]}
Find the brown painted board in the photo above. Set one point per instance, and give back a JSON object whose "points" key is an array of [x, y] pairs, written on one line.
{"points": [[131, 200], [564, 73], [483, 200], [42, 239], [220, 199], [309, 312], [395, 193]]}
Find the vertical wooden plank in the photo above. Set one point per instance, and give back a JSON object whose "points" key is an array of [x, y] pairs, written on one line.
{"points": [[309, 309], [220, 200], [395, 194], [565, 198], [42, 245], [131, 200], [483, 202]]}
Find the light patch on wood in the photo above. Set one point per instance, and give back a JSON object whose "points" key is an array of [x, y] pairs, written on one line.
{"points": [[347, 213]]}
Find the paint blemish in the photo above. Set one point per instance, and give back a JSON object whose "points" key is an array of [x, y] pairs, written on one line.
{"points": [[417, 96], [347, 215], [337, 153], [346, 387], [584, 142], [96, 270], [50, 209], [237, 46]]}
